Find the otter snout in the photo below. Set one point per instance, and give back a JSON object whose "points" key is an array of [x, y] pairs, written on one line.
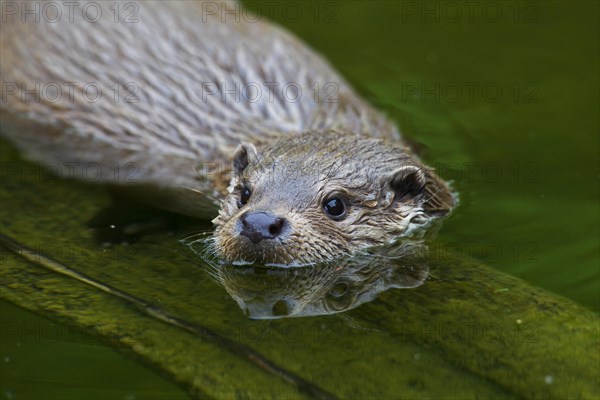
{"points": [[259, 225]]}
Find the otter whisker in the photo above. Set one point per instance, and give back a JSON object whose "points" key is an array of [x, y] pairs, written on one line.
{"points": [[201, 234], [202, 193]]}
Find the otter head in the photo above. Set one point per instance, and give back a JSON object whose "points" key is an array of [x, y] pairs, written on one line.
{"points": [[318, 196]]}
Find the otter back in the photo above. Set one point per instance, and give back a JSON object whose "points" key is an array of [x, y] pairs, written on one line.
{"points": [[166, 95]]}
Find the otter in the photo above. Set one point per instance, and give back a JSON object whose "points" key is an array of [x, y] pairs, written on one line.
{"points": [[195, 104]]}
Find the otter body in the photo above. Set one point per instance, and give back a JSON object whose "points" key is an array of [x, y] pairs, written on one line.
{"points": [[208, 111]]}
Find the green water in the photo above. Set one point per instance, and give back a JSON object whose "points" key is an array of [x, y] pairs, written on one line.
{"points": [[525, 162]]}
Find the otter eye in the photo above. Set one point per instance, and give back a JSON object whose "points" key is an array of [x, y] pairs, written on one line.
{"points": [[334, 208], [245, 196]]}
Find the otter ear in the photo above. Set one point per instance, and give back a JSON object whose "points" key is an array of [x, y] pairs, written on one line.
{"points": [[242, 157], [407, 182], [422, 184]]}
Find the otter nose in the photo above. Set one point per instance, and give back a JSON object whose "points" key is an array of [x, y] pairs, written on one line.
{"points": [[259, 225]]}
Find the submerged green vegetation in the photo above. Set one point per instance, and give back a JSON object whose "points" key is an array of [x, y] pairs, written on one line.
{"points": [[469, 330]]}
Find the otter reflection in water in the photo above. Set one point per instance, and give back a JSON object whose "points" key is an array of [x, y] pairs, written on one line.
{"points": [[269, 292]]}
